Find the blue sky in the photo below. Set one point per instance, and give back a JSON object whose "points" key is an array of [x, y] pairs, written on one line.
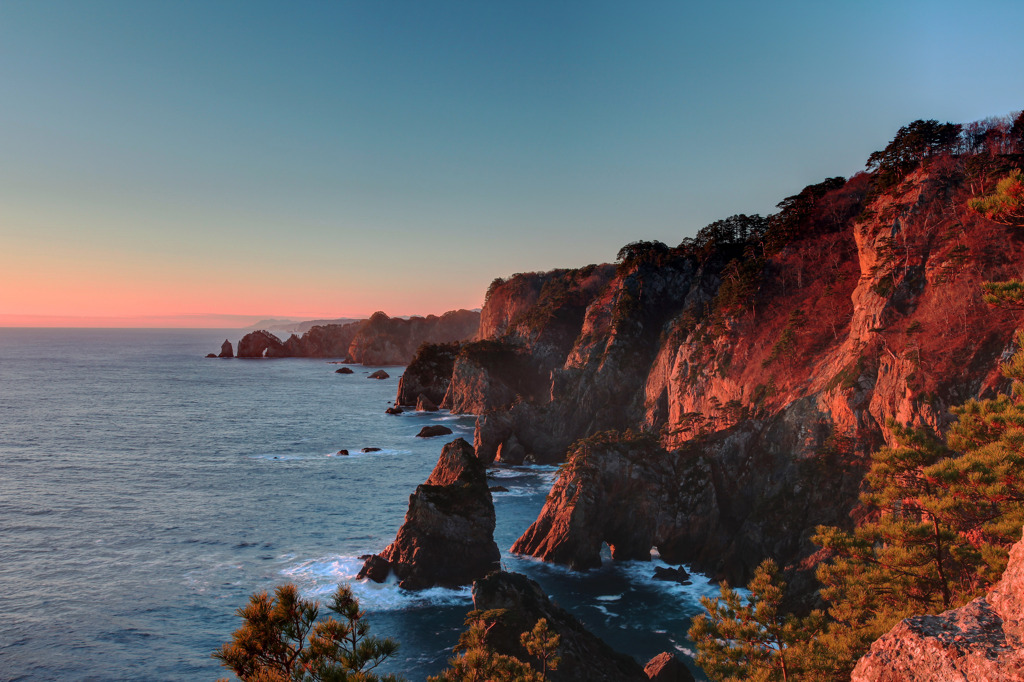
{"points": [[330, 158]]}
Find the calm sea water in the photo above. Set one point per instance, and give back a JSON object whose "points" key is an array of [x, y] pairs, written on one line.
{"points": [[146, 492]]}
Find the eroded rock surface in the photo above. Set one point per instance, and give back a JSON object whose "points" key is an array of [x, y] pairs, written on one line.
{"points": [[226, 350], [979, 642], [447, 538], [516, 603]]}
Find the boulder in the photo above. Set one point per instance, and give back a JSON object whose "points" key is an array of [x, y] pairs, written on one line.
{"points": [[425, 404], [433, 430], [211, 355], [379, 374], [498, 489], [343, 370], [226, 350], [447, 538], [666, 667], [370, 450], [394, 410], [515, 604], [343, 453], [982, 641]]}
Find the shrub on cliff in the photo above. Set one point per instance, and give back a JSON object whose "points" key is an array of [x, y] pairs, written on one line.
{"points": [[282, 641], [476, 660], [1006, 204]]}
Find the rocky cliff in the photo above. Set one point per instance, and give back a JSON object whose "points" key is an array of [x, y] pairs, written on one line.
{"points": [[379, 340], [980, 642], [447, 538], [766, 356]]}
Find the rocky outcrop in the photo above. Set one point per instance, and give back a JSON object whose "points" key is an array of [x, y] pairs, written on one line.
{"points": [[425, 404], [379, 374], [260, 344], [379, 340], [428, 374], [513, 604], [666, 667], [433, 430], [344, 370], [771, 372], [447, 539], [980, 642], [226, 351]]}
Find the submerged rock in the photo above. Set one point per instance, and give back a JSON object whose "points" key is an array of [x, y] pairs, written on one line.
{"points": [[447, 539], [370, 450], [675, 574], [433, 430], [983, 640], [379, 374], [515, 604], [343, 370]]}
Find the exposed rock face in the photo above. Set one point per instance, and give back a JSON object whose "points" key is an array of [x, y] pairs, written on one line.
{"points": [[379, 374], [226, 350], [433, 430], [260, 344], [522, 603], [774, 400], [425, 404], [980, 642], [448, 536], [428, 374], [665, 667], [380, 340]]}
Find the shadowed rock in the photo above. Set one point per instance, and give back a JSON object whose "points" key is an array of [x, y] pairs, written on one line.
{"points": [[343, 370], [447, 539], [665, 667], [433, 430], [379, 374], [425, 404], [226, 350]]}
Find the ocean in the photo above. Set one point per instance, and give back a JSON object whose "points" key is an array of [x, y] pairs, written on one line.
{"points": [[146, 491]]}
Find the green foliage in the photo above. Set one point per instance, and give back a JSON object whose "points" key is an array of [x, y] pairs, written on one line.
{"points": [[785, 344], [913, 144], [282, 641], [476, 660], [733, 235], [847, 378], [1006, 204], [1009, 294], [793, 221], [754, 639], [740, 279]]}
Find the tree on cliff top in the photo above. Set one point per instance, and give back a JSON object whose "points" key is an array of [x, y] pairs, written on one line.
{"points": [[476, 660], [281, 641], [912, 144]]}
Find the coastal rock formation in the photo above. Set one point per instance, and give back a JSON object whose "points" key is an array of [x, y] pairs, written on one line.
{"points": [[379, 340], [260, 344], [428, 374], [379, 374], [769, 364], [433, 430], [226, 351], [447, 539], [666, 667], [425, 404], [513, 604], [343, 370], [980, 642]]}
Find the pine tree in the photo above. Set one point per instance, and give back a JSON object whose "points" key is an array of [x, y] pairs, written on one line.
{"points": [[477, 662], [755, 640], [542, 644], [282, 641]]}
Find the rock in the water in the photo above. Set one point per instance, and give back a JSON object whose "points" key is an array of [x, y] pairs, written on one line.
{"points": [[342, 452], [665, 667], [447, 539], [261, 344], [498, 489], [433, 430], [211, 355], [425, 404], [343, 370], [676, 574], [517, 603], [226, 350], [510, 451], [428, 374], [379, 374], [370, 450], [982, 641], [394, 410]]}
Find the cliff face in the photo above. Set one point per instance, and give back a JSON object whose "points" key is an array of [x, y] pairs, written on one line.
{"points": [[448, 535], [380, 340], [982, 641], [769, 374]]}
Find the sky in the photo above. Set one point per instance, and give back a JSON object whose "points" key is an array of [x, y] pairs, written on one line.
{"points": [[203, 163]]}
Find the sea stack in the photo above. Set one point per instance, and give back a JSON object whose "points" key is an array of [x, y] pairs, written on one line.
{"points": [[447, 539], [226, 351]]}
